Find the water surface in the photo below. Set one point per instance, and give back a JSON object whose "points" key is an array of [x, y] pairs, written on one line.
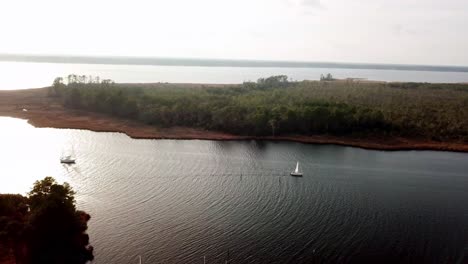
{"points": [[23, 75], [177, 201]]}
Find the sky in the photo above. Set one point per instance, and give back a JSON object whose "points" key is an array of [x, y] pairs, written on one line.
{"points": [[368, 31]]}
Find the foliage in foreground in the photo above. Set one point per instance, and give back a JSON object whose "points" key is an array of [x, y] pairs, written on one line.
{"points": [[276, 106], [45, 226]]}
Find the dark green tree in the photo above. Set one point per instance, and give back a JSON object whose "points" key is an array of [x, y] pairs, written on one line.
{"points": [[56, 228]]}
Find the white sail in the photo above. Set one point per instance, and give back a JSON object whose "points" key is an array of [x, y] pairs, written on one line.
{"points": [[296, 171]]}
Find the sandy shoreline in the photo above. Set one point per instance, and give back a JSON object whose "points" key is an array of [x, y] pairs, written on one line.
{"points": [[43, 111]]}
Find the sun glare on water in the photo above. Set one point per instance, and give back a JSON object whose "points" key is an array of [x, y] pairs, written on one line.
{"points": [[28, 154]]}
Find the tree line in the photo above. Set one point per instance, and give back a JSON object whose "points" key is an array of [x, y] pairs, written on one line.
{"points": [[276, 106], [44, 227]]}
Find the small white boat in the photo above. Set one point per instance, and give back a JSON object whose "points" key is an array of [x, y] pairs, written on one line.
{"points": [[296, 171], [67, 160]]}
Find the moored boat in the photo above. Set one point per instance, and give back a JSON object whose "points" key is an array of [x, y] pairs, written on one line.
{"points": [[296, 172]]}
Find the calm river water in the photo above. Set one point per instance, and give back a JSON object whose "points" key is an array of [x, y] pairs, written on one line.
{"points": [[178, 201]]}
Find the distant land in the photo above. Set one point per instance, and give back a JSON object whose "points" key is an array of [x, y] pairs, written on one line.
{"points": [[371, 115], [121, 60]]}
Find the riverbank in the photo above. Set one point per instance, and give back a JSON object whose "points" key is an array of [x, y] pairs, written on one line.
{"points": [[43, 111]]}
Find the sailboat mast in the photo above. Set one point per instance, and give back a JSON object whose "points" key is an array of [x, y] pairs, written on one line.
{"points": [[297, 167]]}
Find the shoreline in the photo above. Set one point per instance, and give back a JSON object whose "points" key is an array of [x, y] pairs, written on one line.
{"points": [[44, 111]]}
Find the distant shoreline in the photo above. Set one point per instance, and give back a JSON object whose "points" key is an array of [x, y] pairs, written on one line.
{"points": [[161, 61], [43, 111]]}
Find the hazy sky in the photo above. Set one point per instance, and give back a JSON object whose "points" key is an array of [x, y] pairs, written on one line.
{"points": [[381, 31]]}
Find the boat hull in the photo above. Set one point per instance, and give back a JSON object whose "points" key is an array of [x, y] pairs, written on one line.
{"points": [[296, 174]]}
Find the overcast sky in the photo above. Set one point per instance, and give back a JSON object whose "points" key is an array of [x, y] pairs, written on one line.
{"points": [[379, 31]]}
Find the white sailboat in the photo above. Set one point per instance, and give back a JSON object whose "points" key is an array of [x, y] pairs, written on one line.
{"points": [[296, 172], [68, 159]]}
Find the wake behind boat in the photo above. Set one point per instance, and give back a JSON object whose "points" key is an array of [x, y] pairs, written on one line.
{"points": [[296, 172]]}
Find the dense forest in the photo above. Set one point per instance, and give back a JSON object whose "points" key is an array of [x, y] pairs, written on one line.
{"points": [[276, 106], [43, 227]]}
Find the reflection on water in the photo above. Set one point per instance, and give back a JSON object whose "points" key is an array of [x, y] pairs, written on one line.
{"points": [[175, 201], [27, 154]]}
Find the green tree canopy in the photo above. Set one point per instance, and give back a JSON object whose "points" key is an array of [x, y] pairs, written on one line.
{"points": [[275, 106], [44, 227]]}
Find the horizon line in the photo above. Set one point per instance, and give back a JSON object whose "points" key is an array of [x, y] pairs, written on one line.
{"points": [[213, 62]]}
